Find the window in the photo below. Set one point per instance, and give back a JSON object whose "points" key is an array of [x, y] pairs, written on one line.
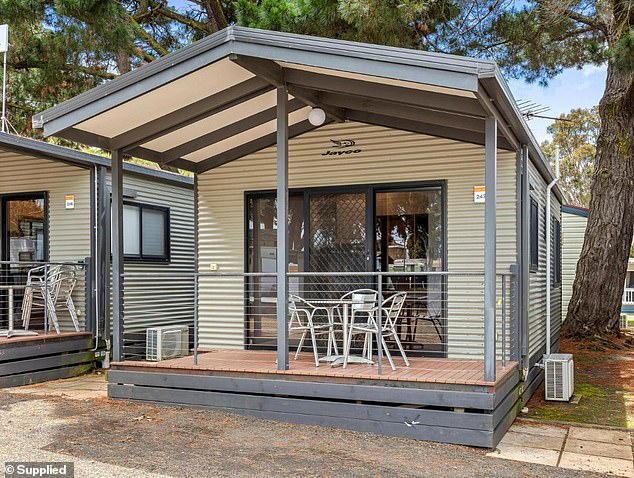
{"points": [[534, 232], [556, 255], [25, 227], [145, 232]]}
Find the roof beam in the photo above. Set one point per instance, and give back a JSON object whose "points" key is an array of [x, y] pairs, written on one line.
{"points": [[228, 131], [489, 106], [398, 94], [157, 157], [190, 114], [276, 75], [252, 146], [424, 128], [413, 113]]}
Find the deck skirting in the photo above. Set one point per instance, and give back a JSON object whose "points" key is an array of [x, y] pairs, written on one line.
{"points": [[39, 359], [475, 416]]}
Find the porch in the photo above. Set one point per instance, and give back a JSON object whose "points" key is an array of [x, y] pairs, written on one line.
{"points": [[442, 400], [628, 300], [38, 342], [46, 356]]}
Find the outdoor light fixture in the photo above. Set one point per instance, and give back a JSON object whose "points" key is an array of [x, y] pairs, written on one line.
{"points": [[317, 117]]}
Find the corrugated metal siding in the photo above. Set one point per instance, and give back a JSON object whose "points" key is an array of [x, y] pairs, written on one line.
{"points": [[537, 280], [387, 156], [168, 298], [573, 231], [69, 229]]}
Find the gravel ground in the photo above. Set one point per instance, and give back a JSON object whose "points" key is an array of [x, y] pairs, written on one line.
{"points": [[120, 439]]}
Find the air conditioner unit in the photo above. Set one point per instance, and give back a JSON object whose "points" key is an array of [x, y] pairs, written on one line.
{"points": [[560, 377], [166, 342]]}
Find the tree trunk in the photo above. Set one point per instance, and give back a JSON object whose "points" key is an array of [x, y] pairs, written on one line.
{"points": [[597, 293]]}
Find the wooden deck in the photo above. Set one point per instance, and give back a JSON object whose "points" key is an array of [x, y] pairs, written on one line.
{"points": [[421, 370], [31, 359], [443, 400], [41, 337]]}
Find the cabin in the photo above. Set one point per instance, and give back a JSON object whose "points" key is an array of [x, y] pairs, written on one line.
{"points": [[574, 222], [406, 292], [54, 208]]}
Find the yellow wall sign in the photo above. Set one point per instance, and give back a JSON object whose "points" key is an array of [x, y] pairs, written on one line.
{"points": [[479, 194], [70, 201]]}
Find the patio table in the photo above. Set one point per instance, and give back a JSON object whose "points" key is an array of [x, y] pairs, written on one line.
{"points": [[10, 332], [339, 359]]}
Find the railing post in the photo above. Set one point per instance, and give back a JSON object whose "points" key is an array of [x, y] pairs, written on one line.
{"points": [[379, 336], [195, 318], [45, 299]]}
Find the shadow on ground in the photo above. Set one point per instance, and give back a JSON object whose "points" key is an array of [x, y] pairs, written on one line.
{"points": [[185, 442], [604, 379]]}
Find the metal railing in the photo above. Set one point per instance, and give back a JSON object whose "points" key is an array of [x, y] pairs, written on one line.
{"points": [[442, 316], [43, 297]]}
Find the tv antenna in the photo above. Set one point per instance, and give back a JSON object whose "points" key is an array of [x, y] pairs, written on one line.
{"points": [[531, 109]]}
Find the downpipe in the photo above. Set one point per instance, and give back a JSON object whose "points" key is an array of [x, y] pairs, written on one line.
{"points": [[549, 253]]}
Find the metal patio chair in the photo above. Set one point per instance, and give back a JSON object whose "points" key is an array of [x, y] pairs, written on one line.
{"points": [[67, 281], [433, 315], [303, 318], [363, 304], [39, 292], [391, 311], [46, 286]]}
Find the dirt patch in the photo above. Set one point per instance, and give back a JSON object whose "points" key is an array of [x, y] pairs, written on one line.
{"points": [[185, 442], [604, 378]]}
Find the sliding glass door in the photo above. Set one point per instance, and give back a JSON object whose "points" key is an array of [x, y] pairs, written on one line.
{"points": [[410, 238], [262, 257], [352, 229]]}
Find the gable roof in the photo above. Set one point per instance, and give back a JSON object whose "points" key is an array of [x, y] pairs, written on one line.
{"points": [[214, 100]]}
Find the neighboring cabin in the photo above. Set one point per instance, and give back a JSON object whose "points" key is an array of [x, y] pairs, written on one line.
{"points": [[574, 222], [55, 202]]}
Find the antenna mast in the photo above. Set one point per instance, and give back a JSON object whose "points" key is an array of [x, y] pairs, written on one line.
{"points": [[4, 48]]}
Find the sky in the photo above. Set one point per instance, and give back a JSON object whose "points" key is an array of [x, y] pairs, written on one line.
{"points": [[571, 89]]}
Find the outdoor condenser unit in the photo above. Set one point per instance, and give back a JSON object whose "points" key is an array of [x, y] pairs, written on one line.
{"points": [[559, 370], [166, 342]]}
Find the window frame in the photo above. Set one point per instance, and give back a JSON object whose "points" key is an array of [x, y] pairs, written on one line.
{"points": [[141, 257], [23, 196], [533, 243]]}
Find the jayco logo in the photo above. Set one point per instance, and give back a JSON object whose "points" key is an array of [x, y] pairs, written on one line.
{"points": [[341, 147]]}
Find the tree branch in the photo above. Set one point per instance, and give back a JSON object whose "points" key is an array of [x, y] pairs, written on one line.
{"points": [[23, 65], [593, 23], [199, 26], [156, 46]]}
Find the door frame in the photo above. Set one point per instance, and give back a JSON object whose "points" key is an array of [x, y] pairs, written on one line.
{"points": [[370, 190], [4, 237]]}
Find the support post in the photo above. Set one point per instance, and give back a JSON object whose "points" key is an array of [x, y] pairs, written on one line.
{"points": [[103, 258], [196, 258], [282, 228], [490, 173], [117, 255], [524, 279]]}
